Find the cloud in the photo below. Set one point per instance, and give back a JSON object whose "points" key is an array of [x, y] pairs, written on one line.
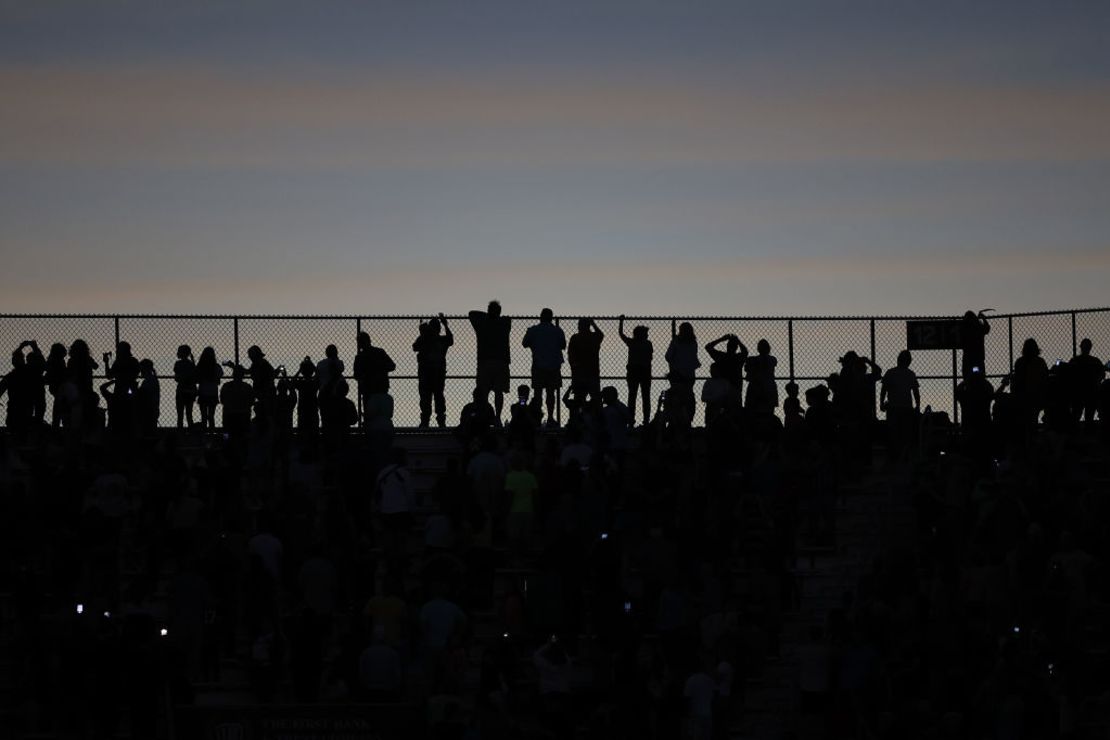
{"points": [[187, 117]]}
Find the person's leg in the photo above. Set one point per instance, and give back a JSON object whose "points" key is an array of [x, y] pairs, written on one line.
{"points": [[633, 386], [189, 409], [498, 403], [425, 391], [552, 399], [440, 401], [645, 391]]}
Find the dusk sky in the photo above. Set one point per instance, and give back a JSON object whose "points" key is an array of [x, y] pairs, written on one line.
{"points": [[598, 157]]}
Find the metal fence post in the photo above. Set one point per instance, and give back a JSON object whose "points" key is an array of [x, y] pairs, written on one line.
{"points": [[115, 323], [235, 324], [1010, 338], [1074, 345], [558, 396], [874, 401], [790, 345], [955, 406], [358, 396]]}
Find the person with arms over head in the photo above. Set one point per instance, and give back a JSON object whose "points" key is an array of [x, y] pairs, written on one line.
{"points": [[372, 368], [682, 364], [584, 356], [1086, 375], [974, 328], [731, 360], [185, 394], [547, 341], [900, 398], [209, 375], [431, 368], [638, 369], [492, 331]]}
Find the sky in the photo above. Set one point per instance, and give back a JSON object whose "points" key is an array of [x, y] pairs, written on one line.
{"points": [[640, 157]]}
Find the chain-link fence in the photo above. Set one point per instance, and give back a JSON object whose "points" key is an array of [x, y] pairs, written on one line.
{"points": [[807, 348]]}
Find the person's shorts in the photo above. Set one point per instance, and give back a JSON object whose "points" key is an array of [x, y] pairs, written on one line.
{"points": [[431, 382], [494, 375], [546, 377]]}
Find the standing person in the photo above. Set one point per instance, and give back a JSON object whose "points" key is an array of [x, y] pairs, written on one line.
{"points": [[329, 371], [763, 391], [974, 328], [308, 403], [547, 342], [1086, 373], [731, 360], [185, 375], [18, 386], [236, 397], [900, 398], [682, 364], [148, 398], [492, 331], [80, 370], [56, 383], [431, 368], [36, 369], [262, 379], [638, 369], [121, 402], [209, 375], [125, 369], [372, 368], [584, 356], [1030, 381]]}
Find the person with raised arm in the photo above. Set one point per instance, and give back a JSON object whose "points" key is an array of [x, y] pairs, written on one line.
{"points": [[974, 328], [547, 341], [431, 368], [492, 332], [638, 369]]}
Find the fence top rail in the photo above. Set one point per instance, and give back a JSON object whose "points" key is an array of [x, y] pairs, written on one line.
{"points": [[462, 317]]}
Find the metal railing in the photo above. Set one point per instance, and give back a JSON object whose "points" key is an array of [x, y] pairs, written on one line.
{"points": [[808, 347]]}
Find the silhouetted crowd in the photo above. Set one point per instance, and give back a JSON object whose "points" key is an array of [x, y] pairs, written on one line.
{"points": [[521, 578]]}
